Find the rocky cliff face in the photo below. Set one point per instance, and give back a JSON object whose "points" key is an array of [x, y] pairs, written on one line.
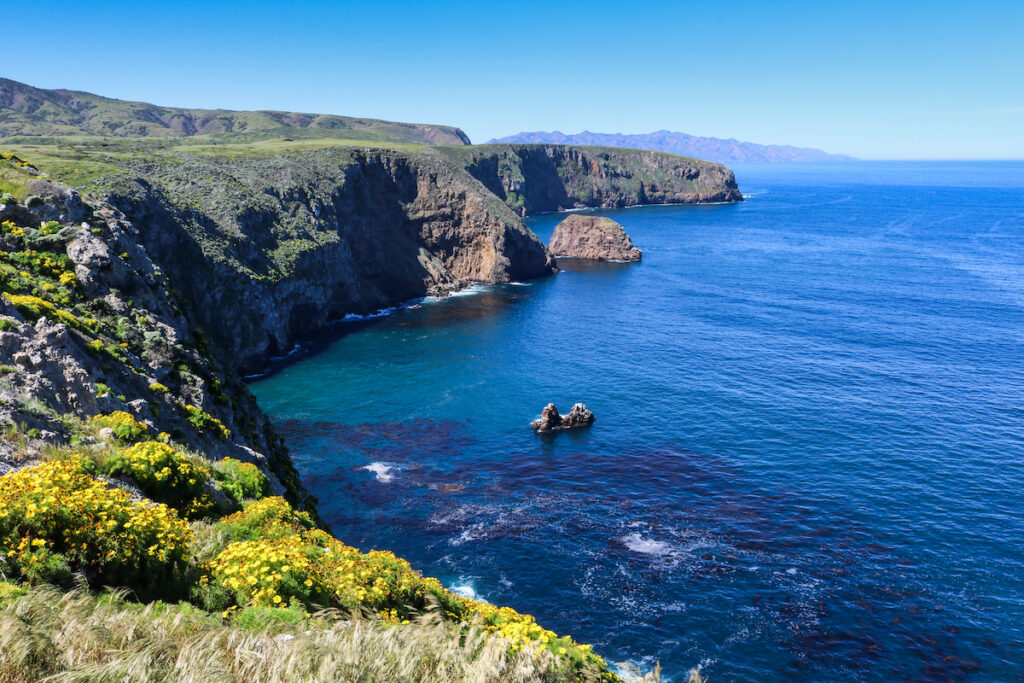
{"points": [[268, 249], [90, 326], [539, 178]]}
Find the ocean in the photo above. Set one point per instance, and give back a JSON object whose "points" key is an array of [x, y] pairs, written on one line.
{"points": [[808, 459]]}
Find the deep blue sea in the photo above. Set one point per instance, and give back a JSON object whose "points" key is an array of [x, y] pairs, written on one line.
{"points": [[808, 460]]}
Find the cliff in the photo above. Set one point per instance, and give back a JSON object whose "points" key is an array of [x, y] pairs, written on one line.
{"points": [[269, 248], [713, 149], [91, 326], [539, 178]]}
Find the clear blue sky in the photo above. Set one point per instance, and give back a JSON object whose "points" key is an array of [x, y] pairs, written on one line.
{"points": [[882, 80]]}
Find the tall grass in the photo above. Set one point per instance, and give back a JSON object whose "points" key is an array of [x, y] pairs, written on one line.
{"points": [[51, 635]]}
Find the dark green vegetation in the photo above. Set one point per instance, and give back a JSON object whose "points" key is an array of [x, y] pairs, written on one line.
{"points": [[28, 111]]}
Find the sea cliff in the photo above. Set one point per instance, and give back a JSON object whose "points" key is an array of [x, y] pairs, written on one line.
{"points": [[539, 178]]}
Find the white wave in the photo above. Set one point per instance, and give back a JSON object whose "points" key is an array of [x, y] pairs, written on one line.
{"points": [[472, 290], [646, 546], [380, 313], [466, 589], [381, 470]]}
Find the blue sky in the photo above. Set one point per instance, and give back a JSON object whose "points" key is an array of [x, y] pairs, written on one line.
{"points": [[878, 80]]}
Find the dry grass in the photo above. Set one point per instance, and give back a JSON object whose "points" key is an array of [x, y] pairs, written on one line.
{"points": [[49, 635]]}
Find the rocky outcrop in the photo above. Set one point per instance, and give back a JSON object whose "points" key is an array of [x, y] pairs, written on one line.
{"points": [[550, 420], [537, 178], [268, 249], [89, 326], [592, 237]]}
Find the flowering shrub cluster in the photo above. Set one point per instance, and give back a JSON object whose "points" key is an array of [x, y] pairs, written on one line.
{"points": [[241, 480], [283, 558], [33, 308], [124, 425], [57, 518], [163, 474]]}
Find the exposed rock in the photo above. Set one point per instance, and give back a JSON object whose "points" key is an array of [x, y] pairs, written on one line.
{"points": [[592, 237], [273, 249], [550, 419], [534, 178]]}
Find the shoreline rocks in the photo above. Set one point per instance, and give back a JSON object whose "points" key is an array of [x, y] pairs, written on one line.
{"points": [[592, 237], [550, 419]]}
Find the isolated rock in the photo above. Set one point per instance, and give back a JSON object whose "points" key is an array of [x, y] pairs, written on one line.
{"points": [[550, 419], [579, 416], [592, 237]]}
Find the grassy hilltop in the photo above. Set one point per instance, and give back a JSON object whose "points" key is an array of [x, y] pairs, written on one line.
{"points": [[28, 111]]}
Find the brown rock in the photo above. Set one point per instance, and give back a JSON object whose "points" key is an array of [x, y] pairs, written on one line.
{"points": [[592, 237], [550, 419]]}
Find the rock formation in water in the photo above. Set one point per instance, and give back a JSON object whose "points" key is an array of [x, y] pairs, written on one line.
{"points": [[592, 237], [550, 420]]}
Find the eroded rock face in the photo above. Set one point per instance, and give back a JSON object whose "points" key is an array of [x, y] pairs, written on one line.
{"points": [[534, 178], [550, 419], [592, 237], [273, 249]]}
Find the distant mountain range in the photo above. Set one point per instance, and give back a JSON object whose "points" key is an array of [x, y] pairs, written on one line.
{"points": [[29, 111], [710, 149]]}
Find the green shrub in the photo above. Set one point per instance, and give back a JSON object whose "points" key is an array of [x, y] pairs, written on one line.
{"points": [[8, 325], [241, 480], [102, 389], [124, 425], [163, 474], [158, 388], [7, 369], [204, 422]]}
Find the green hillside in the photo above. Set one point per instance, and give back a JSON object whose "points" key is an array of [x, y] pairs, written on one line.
{"points": [[29, 111]]}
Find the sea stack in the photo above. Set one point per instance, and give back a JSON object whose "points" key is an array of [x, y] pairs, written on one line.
{"points": [[550, 420], [592, 237]]}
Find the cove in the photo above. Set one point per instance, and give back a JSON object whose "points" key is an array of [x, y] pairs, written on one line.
{"points": [[808, 460]]}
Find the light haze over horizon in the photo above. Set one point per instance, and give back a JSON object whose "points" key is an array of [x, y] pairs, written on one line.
{"points": [[937, 80]]}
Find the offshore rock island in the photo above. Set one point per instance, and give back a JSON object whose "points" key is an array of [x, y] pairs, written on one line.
{"points": [[150, 257], [592, 237]]}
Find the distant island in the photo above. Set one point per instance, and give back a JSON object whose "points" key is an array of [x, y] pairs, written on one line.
{"points": [[711, 149]]}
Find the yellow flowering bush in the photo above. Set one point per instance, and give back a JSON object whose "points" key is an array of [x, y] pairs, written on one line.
{"points": [[56, 517], [269, 573], [124, 425], [34, 308], [204, 422], [241, 480], [269, 518], [282, 557], [163, 473]]}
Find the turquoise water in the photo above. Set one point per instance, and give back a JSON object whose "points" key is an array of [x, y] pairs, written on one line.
{"points": [[808, 460]]}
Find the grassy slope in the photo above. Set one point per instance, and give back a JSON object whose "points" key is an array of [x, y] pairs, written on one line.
{"points": [[28, 111]]}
